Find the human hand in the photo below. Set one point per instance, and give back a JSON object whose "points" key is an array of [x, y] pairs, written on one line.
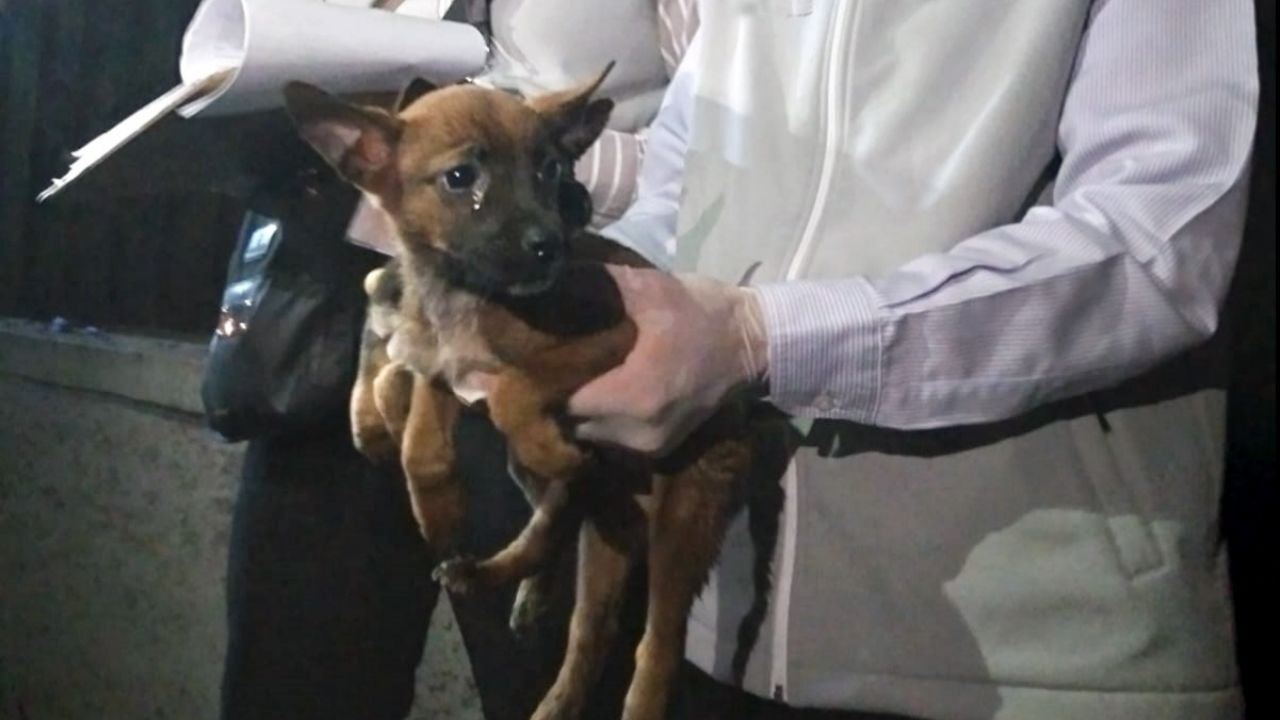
{"points": [[697, 340]]}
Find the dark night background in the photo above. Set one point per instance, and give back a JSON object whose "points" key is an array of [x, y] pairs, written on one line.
{"points": [[110, 255]]}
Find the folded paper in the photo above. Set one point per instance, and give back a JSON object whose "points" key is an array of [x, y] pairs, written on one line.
{"points": [[237, 55]]}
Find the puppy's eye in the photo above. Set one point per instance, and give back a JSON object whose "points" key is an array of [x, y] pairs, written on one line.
{"points": [[550, 171], [461, 177]]}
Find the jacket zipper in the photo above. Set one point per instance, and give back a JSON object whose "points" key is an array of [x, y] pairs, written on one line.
{"points": [[836, 45], [831, 140], [782, 599]]}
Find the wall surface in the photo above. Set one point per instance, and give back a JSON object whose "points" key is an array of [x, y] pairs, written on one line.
{"points": [[114, 517]]}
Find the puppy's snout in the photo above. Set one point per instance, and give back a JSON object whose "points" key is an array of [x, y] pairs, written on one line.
{"points": [[546, 246]]}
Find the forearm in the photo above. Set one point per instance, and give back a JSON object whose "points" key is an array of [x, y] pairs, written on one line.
{"points": [[649, 225], [609, 170], [1127, 267]]}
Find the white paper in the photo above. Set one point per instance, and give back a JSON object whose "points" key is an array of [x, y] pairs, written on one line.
{"points": [[237, 55], [102, 146], [342, 49]]}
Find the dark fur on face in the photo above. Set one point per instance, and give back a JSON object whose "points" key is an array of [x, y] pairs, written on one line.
{"points": [[475, 191]]}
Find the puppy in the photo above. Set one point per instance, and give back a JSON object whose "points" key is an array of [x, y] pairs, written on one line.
{"points": [[380, 399], [500, 299]]}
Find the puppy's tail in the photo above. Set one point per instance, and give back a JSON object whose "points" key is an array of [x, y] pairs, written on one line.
{"points": [[764, 518]]}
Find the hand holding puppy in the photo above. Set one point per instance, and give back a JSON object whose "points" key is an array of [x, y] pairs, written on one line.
{"points": [[697, 340]]}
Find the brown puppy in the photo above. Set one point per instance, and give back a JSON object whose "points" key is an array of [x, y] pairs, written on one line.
{"points": [[380, 400], [498, 295]]}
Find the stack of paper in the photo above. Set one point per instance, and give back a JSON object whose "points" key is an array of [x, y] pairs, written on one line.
{"points": [[237, 55]]}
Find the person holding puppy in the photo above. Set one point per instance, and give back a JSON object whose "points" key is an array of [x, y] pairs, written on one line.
{"points": [[993, 241]]}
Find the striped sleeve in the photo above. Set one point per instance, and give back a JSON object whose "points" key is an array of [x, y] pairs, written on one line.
{"points": [[611, 167], [677, 22], [609, 170], [1126, 268]]}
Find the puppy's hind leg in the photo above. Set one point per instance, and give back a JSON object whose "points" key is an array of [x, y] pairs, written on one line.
{"points": [[685, 531], [601, 584]]}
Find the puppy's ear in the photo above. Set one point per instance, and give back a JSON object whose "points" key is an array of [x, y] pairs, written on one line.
{"points": [[575, 119], [359, 142]]}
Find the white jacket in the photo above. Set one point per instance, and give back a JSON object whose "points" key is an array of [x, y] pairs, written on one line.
{"points": [[1007, 507]]}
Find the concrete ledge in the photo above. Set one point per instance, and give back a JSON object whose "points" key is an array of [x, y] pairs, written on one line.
{"points": [[147, 369], [114, 524]]}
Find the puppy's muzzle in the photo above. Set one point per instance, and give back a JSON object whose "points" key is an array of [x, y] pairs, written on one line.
{"points": [[546, 247], [536, 259]]}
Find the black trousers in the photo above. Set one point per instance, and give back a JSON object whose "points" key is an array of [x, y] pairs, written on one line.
{"points": [[329, 592]]}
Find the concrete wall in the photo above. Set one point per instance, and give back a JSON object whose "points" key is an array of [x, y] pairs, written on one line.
{"points": [[114, 514]]}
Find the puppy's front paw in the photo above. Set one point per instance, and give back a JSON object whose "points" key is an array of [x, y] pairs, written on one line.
{"points": [[459, 576]]}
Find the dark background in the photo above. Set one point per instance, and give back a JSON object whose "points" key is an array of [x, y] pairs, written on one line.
{"points": [[70, 70], [106, 254]]}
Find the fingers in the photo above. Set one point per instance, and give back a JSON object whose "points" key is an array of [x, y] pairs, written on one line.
{"points": [[639, 386], [647, 436], [602, 396], [648, 401], [623, 432], [644, 288]]}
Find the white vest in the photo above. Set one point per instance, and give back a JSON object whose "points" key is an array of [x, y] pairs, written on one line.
{"points": [[1045, 568]]}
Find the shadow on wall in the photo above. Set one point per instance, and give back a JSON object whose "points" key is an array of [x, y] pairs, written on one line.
{"points": [[114, 517], [113, 532]]}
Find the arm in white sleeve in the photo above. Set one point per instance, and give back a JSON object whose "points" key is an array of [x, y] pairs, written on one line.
{"points": [[649, 226], [610, 168], [1126, 268]]}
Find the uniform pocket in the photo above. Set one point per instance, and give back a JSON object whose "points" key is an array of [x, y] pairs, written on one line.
{"points": [[1126, 515]]}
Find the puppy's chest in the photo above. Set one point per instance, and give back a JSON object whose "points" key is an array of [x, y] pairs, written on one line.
{"points": [[457, 353], [464, 340]]}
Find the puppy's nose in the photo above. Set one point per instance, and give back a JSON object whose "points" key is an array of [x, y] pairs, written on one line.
{"points": [[547, 246]]}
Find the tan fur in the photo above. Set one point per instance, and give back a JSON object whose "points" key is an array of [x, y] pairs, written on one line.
{"points": [[540, 348]]}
